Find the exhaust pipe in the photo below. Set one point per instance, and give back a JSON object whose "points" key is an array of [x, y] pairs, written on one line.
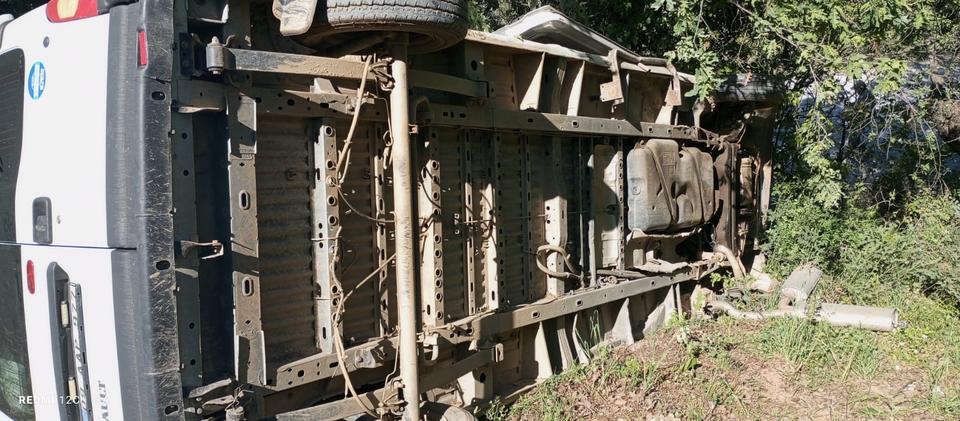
{"points": [[735, 264], [793, 303], [880, 319]]}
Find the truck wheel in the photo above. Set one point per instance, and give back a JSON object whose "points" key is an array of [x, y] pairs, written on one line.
{"points": [[432, 24]]}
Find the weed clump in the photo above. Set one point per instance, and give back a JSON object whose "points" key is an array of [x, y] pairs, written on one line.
{"points": [[870, 257]]}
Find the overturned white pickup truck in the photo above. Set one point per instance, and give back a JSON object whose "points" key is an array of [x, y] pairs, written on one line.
{"points": [[231, 209]]}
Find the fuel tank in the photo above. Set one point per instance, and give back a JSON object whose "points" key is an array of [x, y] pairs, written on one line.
{"points": [[669, 187]]}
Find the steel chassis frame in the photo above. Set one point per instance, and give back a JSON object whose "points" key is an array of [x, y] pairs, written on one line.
{"points": [[242, 102]]}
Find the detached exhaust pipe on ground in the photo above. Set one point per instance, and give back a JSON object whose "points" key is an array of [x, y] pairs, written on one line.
{"points": [[794, 293], [879, 319]]}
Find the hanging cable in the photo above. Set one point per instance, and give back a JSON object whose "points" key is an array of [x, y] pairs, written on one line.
{"points": [[344, 155], [547, 248], [338, 337], [343, 159]]}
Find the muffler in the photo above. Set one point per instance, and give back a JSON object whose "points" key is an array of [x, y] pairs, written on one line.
{"points": [[881, 319], [793, 303]]}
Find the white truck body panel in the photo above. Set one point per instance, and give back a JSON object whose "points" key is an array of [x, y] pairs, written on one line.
{"points": [[90, 269], [63, 158], [64, 148]]}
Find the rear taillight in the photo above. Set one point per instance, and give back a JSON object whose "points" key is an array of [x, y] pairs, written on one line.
{"points": [[141, 48], [31, 278], [67, 10]]}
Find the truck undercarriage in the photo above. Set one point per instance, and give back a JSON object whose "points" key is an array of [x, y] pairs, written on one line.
{"points": [[548, 200]]}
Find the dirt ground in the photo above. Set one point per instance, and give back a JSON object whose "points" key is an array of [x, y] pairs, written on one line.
{"points": [[715, 371]]}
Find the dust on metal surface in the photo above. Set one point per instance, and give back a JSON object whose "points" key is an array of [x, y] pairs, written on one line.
{"points": [[540, 199]]}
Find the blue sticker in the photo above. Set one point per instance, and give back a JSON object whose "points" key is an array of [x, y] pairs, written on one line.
{"points": [[37, 80]]}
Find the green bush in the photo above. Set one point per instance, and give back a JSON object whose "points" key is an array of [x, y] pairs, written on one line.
{"points": [[867, 255], [802, 231]]}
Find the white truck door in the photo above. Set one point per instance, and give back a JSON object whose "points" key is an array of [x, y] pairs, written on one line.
{"points": [[86, 287]]}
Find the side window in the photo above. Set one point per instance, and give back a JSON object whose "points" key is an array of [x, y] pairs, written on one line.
{"points": [[11, 137], [15, 384]]}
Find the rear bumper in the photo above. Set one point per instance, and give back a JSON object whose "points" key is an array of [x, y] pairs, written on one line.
{"points": [[139, 208]]}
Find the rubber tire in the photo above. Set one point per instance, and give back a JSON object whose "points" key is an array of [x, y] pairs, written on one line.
{"points": [[432, 24]]}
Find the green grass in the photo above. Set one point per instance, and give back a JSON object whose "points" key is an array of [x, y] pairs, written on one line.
{"points": [[822, 351], [907, 260], [698, 379], [822, 354], [546, 401]]}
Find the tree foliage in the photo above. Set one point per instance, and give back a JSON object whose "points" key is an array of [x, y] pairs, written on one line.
{"points": [[868, 140], [869, 83]]}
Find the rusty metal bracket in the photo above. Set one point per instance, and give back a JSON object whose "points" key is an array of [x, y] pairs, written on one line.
{"points": [[438, 377], [447, 83], [188, 47], [220, 58], [323, 366], [486, 118], [381, 351], [210, 398], [493, 323], [431, 345], [216, 248], [674, 97], [613, 90]]}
